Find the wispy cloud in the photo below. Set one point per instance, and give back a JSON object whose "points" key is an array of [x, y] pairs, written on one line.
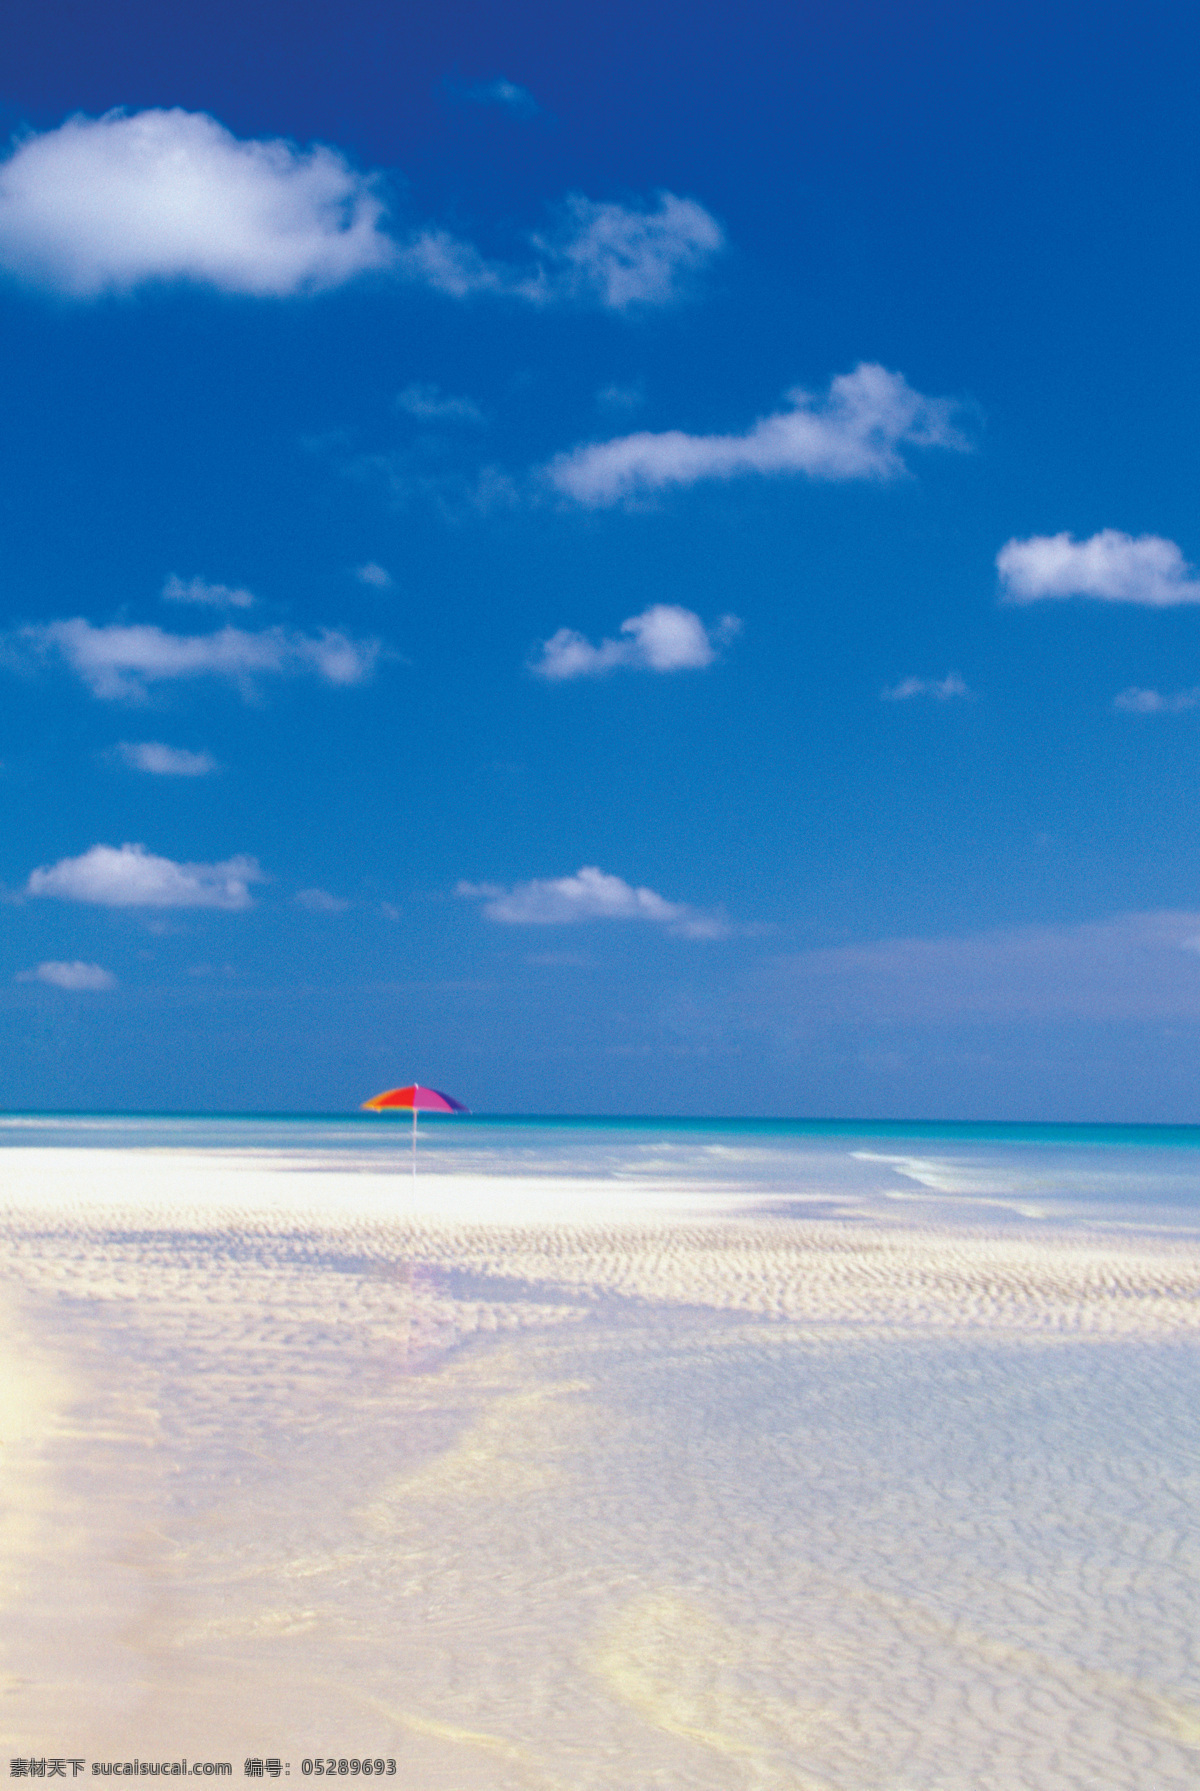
{"points": [[198, 590], [629, 255], [618, 398], [664, 638], [506, 94], [375, 575], [130, 877], [1153, 702], [856, 431], [616, 256], [165, 761], [1130, 966], [107, 204], [319, 901], [121, 661], [1110, 566], [591, 894], [942, 690], [76, 975], [431, 405]]}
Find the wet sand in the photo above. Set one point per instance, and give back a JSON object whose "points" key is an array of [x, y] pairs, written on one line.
{"points": [[570, 1483]]}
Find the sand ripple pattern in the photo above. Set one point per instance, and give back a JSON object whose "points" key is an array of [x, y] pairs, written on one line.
{"points": [[673, 1501]]}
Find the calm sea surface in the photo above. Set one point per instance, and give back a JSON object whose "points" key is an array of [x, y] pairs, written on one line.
{"points": [[1138, 1176]]}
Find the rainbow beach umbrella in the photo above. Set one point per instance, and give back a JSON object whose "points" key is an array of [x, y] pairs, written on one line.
{"points": [[419, 1099]]}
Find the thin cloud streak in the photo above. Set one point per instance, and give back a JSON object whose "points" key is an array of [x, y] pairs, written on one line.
{"points": [[1132, 966], [856, 431], [120, 661], [942, 690], [199, 591], [429, 404]]}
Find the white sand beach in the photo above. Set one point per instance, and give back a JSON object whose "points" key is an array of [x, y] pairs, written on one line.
{"points": [[552, 1482]]}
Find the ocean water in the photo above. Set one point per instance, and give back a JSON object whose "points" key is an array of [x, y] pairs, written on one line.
{"points": [[702, 1456], [1136, 1176]]}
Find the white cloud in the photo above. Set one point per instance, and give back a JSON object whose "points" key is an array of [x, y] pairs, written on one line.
{"points": [[198, 590], [1110, 566], [319, 901], [374, 574], [1152, 702], [664, 638], [591, 894], [121, 660], [76, 975], [602, 253], [131, 877], [431, 404], [165, 761], [854, 432], [941, 689], [106, 204]]}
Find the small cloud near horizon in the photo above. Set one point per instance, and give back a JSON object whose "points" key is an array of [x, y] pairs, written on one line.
{"points": [[75, 975], [591, 894]]}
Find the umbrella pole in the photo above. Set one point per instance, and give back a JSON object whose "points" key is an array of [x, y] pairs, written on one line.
{"points": [[414, 1144]]}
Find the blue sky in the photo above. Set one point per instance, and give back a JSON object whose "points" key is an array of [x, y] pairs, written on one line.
{"points": [[606, 559]]}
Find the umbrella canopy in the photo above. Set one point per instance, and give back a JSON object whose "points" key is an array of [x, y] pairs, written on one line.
{"points": [[427, 1100]]}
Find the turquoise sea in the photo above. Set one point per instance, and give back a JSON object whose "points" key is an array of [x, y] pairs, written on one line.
{"points": [[1126, 1175]]}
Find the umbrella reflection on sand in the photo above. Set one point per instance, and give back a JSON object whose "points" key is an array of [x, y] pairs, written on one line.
{"points": [[419, 1099]]}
